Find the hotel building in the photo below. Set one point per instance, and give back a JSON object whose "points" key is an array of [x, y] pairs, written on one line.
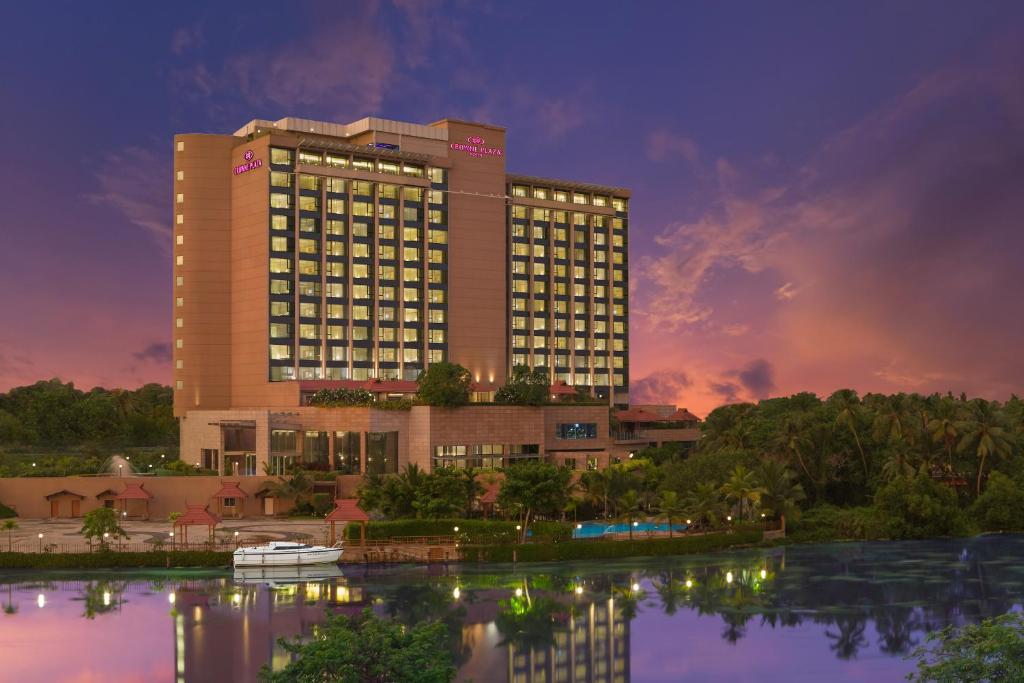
{"points": [[311, 255]]}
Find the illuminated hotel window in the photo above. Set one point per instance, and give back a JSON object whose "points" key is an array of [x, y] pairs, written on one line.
{"points": [[411, 213], [362, 208], [388, 191], [335, 311], [541, 214], [540, 193], [280, 179], [336, 332], [335, 206], [280, 308], [410, 274], [179, 302], [334, 160], [386, 211], [386, 232], [538, 251], [436, 296], [179, 384], [179, 239], [386, 293], [539, 268], [410, 355], [437, 315], [437, 175], [180, 260], [180, 175], [180, 322], [280, 352], [361, 291], [307, 288], [410, 334], [411, 315], [578, 198], [310, 158], [179, 281], [519, 191], [439, 236], [179, 364], [435, 277], [280, 201], [180, 198], [280, 156], [385, 313], [579, 219], [181, 146], [362, 164], [410, 294], [600, 344], [436, 216], [334, 227], [335, 269], [360, 230], [280, 330], [438, 256], [335, 248], [307, 246], [411, 254], [307, 267], [181, 219], [600, 201], [518, 212], [619, 204], [360, 312]]}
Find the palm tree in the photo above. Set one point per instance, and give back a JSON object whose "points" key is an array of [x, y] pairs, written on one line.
{"points": [[629, 506], [595, 484], [943, 428], [742, 487], [780, 494], [791, 440], [705, 503], [670, 508], [849, 408], [9, 526], [984, 435]]}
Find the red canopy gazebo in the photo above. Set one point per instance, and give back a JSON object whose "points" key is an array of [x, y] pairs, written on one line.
{"points": [[348, 510], [133, 492], [231, 493], [196, 515]]}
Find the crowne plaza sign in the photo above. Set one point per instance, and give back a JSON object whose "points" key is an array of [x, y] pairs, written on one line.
{"points": [[250, 163], [476, 146]]}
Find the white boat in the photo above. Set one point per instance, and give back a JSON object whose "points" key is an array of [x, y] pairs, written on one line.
{"points": [[285, 554]]}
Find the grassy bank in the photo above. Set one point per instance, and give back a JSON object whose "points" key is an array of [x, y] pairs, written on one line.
{"points": [[604, 550], [471, 531], [115, 560]]}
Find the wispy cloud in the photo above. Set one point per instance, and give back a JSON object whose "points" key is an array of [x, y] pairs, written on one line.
{"points": [[133, 182], [157, 352]]}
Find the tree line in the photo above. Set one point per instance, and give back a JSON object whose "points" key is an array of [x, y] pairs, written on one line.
{"points": [[55, 414]]}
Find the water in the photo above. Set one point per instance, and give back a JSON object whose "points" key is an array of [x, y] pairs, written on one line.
{"points": [[599, 529], [841, 612]]}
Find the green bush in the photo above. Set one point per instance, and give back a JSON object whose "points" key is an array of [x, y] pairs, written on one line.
{"points": [[480, 531], [340, 398], [999, 508], [607, 549], [6, 512], [322, 504], [919, 507], [113, 560], [827, 523]]}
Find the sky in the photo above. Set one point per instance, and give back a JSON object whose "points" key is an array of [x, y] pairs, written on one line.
{"points": [[825, 195]]}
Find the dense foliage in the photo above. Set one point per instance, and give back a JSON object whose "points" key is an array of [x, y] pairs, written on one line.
{"points": [[53, 414], [415, 493], [113, 560], [990, 651], [341, 398], [525, 387], [476, 531], [444, 384], [368, 649]]}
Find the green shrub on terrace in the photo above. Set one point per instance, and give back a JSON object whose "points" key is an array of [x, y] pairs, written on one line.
{"points": [[6, 512], [338, 398]]}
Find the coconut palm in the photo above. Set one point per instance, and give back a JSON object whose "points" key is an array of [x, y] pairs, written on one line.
{"points": [[9, 526], [670, 507], [984, 435], [849, 410], [792, 441], [705, 504], [943, 429], [742, 487], [596, 485], [630, 509], [780, 495]]}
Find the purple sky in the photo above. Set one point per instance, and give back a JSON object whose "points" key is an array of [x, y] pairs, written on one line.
{"points": [[825, 194]]}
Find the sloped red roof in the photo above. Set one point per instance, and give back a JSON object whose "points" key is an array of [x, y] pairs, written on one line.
{"points": [[347, 510], [561, 388], [377, 386], [683, 415], [197, 515], [491, 494], [133, 492], [229, 489], [65, 492], [105, 494]]}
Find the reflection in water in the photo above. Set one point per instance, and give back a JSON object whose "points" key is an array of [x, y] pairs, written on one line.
{"points": [[865, 603]]}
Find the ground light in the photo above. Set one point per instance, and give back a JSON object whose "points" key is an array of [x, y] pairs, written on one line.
{"points": [[106, 598], [689, 583], [170, 597], [728, 577], [579, 526], [456, 529], [579, 590], [456, 592], [40, 543], [764, 574], [519, 592], [636, 587], [41, 600]]}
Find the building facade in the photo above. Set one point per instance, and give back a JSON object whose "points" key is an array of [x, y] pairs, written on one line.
{"points": [[313, 255]]}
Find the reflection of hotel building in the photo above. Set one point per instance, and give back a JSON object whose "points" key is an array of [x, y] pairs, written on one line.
{"points": [[314, 255]]}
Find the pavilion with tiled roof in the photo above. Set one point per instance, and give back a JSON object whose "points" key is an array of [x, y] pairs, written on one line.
{"points": [[347, 510], [133, 492], [196, 515], [230, 491]]}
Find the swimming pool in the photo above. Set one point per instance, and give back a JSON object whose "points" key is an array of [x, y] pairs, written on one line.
{"points": [[599, 529]]}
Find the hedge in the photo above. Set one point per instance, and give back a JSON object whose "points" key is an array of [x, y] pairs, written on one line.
{"points": [[6, 512], [112, 560], [608, 549], [480, 531]]}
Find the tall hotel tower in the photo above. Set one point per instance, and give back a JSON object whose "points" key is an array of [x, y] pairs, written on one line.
{"points": [[311, 255]]}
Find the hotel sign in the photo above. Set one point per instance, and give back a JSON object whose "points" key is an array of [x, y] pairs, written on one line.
{"points": [[249, 164], [475, 146]]}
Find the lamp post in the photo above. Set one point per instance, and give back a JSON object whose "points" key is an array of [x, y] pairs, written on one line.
{"points": [[172, 540], [40, 543], [236, 539]]}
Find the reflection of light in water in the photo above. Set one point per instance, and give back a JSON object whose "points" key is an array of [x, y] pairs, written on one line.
{"points": [[170, 597], [764, 573], [41, 601], [636, 587], [456, 593], [519, 592], [312, 591], [689, 584], [728, 577], [237, 598], [579, 590], [106, 598]]}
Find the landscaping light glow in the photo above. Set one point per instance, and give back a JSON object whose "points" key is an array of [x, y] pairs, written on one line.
{"points": [[728, 577], [579, 590], [106, 598], [41, 600], [456, 593], [170, 597], [689, 584], [519, 592], [636, 587], [764, 574]]}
